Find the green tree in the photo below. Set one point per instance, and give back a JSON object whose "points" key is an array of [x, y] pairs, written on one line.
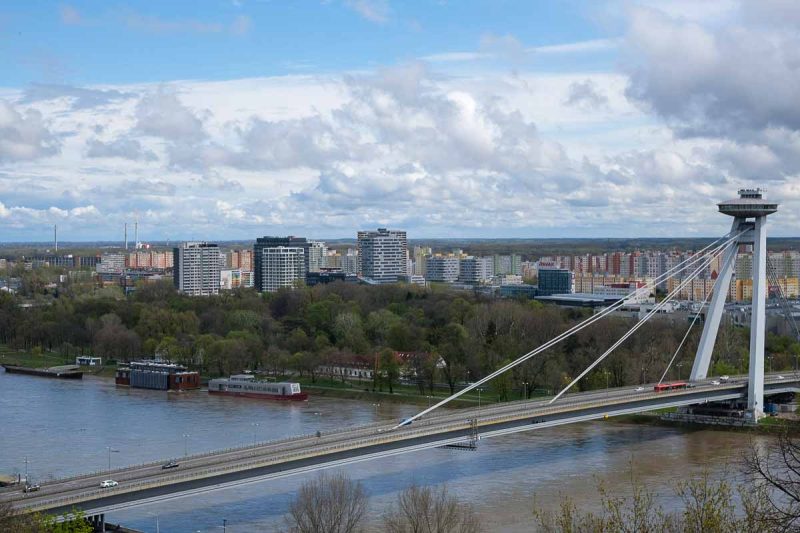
{"points": [[390, 367]]}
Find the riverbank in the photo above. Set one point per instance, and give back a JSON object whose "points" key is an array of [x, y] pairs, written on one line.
{"points": [[766, 426]]}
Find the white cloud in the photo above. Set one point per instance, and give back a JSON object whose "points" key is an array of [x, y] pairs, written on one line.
{"points": [[24, 135], [373, 10], [470, 152], [163, 115]]}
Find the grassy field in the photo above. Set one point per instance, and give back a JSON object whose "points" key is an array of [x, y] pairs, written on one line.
{"points": [[13, 357], [46, 360]]}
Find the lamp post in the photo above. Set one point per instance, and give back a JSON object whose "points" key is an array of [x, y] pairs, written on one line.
{"points": [[110, 450], [679, 365], [376, 405], [26, 470], [525, 390], [429, 399], [606, 372], [224, 525], [255, 431], [186, 444], [479, 396], [769, 357]]}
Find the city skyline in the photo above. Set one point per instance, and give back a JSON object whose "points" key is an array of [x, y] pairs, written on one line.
{"points": [[557, 122]]}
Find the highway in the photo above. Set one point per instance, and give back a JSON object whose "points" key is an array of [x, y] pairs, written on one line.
{"points": [[217, 470]]}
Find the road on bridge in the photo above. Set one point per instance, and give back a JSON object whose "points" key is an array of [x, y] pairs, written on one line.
{"points": [[213, 471]]}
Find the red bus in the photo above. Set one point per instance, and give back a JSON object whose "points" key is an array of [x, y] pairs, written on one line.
{"points": [[675, 385]]}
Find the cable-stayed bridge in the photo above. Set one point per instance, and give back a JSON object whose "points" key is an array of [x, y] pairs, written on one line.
{"points": [[214, 471]]}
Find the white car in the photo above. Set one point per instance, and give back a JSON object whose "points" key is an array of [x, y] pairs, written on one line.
{"points": [[638, 389], [781, 377], [108, 483], [715, 382], [724, 378]]}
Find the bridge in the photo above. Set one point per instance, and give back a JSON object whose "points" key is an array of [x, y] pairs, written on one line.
{"points": [[432, 427], [197, 474]]}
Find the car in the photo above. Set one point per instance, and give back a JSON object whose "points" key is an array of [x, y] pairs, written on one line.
{"points": [[781, 377], [171, 464], [108, 483], [715, 382], [724, 378], [638, 389], [31, 488]]}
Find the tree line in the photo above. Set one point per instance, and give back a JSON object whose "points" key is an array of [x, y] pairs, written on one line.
{"points": [[455, 336]]}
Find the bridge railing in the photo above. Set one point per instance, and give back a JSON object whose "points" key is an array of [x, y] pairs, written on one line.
{"points": [[423, 428]]}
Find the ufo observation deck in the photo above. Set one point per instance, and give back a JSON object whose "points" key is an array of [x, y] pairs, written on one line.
{"points": [[750, 203]]}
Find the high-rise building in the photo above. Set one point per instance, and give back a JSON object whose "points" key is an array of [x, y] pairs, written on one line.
{"points": [[282, 267], [111, 264], [196, 268], [508, 264], [263, 243], [349, 262], [442, 268], [150, 259], [420, 253], [476, 270], [240, 260], [555, 281], [382, 255], [317, 256]]}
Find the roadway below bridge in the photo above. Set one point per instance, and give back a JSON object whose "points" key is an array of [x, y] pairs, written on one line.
{"points": [[148, 483]]}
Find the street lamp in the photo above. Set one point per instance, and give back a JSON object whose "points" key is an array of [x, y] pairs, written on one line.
{"points": [[110, 450], [255, 430], [224, 525], [479, 396], [679, 365], [769, 357], [606, 372], [186, 444], [525, 390], [26, 470], [429, 400]]}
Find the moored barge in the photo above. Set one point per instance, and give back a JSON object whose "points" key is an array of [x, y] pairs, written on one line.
{"points": [[248, 386], [61, 372]]}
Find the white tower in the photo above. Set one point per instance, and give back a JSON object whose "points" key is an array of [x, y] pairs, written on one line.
{"points": [[749, 213]]}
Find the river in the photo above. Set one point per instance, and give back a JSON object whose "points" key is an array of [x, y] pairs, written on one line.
{"points": [[68, 427]]}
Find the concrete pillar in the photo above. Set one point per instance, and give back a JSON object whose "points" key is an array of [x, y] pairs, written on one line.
{"points": [[755, 387], [716, 309]]}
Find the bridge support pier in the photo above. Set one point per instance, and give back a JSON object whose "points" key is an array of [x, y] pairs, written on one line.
{"points": [[98, 522], [755, 386], [753, 207]]}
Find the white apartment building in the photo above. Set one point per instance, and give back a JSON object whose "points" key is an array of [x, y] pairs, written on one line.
{"points": [[476, 270], [282, 267], [111, 264], [382, 255], [196, 268], [317, 256], [442, 268]]}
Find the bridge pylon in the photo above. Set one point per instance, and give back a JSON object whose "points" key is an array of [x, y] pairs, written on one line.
{"points": [[749, 213]]}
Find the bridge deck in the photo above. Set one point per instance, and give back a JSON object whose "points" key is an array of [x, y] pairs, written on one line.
{"points": [[213, 471]]}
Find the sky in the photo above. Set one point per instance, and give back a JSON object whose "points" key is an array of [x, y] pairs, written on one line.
{"points": [[232, 119]]}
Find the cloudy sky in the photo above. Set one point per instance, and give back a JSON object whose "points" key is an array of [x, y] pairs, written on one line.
{"points": [[448, 118]]}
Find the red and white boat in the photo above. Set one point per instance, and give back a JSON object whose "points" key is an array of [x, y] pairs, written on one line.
{"points": [[247, 385]]}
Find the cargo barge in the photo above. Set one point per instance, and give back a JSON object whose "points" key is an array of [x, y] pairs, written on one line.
{"points": [[60, 372], [157, 375], [248, 386]]}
